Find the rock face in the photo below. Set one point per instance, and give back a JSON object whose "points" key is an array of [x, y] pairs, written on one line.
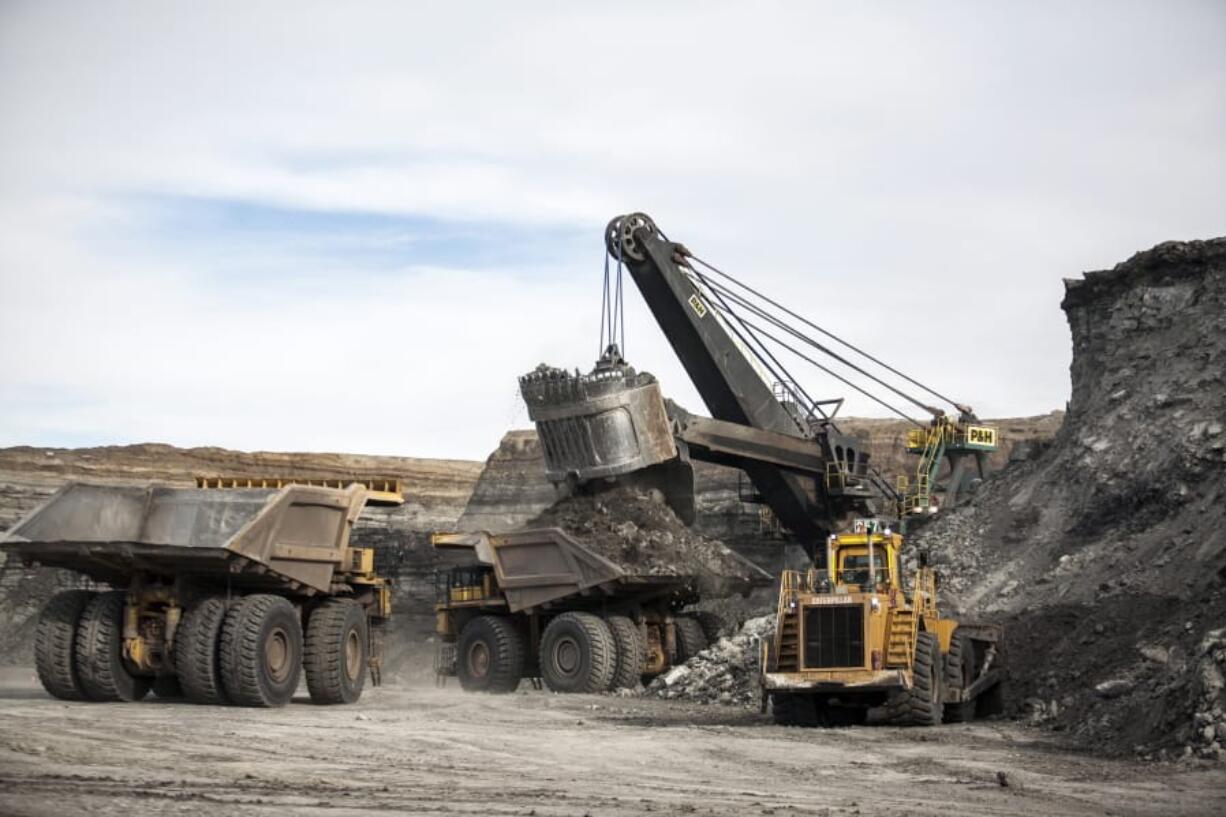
{"points": [[512, 487], [434, 489], [1106, 552]]}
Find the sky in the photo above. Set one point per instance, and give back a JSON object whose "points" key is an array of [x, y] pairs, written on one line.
{"points": [[351, 226]]}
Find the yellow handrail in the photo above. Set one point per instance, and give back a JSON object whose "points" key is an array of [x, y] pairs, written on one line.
{"points": [[789, 585]]}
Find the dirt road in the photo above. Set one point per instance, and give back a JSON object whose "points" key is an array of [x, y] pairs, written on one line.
{"points": [[428, 751]]}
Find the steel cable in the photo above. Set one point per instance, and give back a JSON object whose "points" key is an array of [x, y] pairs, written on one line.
{"points": [[757, 310], [826, 332], [827, 370]]}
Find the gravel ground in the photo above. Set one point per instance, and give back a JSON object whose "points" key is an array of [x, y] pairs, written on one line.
{"points": [[444, 752]]}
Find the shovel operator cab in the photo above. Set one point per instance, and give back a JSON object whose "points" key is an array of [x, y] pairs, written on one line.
{"points": [[860, 640]]}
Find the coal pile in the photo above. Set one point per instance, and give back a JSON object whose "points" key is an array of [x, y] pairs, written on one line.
{"points": [[724, 673], [1105, 553], [639, 532]]}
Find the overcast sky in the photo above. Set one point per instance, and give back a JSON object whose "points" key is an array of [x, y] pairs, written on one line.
{"points": [[350, 226]]}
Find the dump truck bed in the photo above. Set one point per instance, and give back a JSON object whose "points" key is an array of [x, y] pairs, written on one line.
{"points": [[545, 565], [291, 540]]}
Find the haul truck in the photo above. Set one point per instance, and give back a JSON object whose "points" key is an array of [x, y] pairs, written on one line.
{"points": [[540, 604], [223, 597]]}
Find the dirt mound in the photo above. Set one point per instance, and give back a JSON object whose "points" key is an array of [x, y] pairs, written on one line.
{"points": [[1105, 553], [637, 531], [724, 673]]}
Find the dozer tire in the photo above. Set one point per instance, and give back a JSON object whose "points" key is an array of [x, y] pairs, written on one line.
{"points": [[54, 640], [713, 625], [198, 652], [790, 709], [99, 652], [490, 655], [337, 641], [261, 651], [578, 653], [631, 652], [921, 704], [691, 640], [959, 673]]}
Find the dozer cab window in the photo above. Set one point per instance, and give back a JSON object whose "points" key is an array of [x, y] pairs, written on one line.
{"points": [[854, 569]]}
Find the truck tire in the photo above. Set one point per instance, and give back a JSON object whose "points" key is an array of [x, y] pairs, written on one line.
{"points": [[337, 641], [920, 705], [690, 638], [54, 640], [198, 652], [490, 655], [578, 653], [790, 709], [631, 660], [99, 652], [959, 671], [261, 651]]}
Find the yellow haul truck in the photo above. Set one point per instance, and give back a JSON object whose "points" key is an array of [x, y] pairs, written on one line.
{"points": [[222, 597], [540, 604], [858, 641]]}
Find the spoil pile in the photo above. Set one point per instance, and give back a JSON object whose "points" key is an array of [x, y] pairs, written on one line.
{"points": [[724, 673], [1105, 553], [639, 532]]}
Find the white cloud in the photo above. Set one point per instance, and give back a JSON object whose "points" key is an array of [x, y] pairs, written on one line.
{"points": [[916, 178]]}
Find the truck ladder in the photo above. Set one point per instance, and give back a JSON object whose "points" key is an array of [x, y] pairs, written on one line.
{"points": [[787, 634]]}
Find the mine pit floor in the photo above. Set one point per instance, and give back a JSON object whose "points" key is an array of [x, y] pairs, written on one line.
{"points": [[443, 752]]}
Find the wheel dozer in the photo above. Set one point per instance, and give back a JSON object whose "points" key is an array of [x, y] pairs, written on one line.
{"points": [[858, 641], [220, 597]]}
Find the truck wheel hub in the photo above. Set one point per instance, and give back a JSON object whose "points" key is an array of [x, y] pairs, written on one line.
{"points": [[566, 656], [276, 654], [479, 659], [353, 655]]}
